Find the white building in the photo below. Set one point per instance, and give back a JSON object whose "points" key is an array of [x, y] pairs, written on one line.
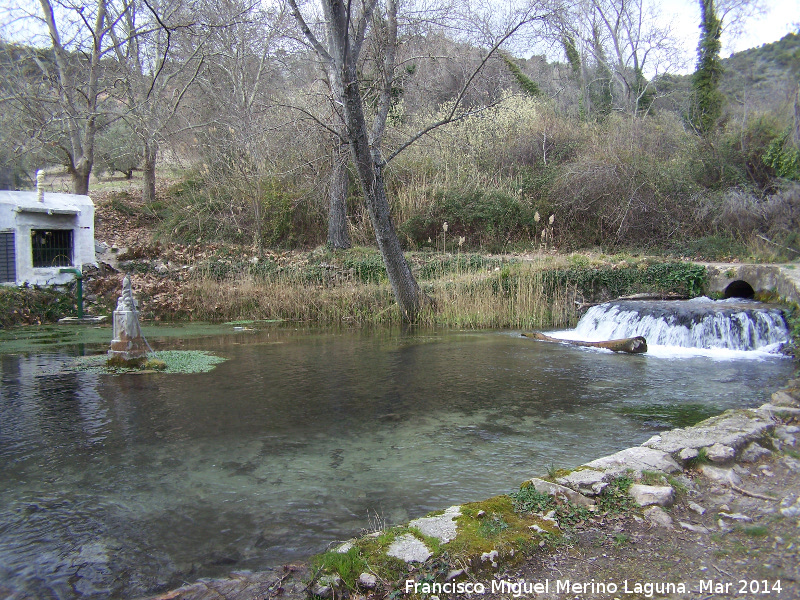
{"points": [[41, 235]]}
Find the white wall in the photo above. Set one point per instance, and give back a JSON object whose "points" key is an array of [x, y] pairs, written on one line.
{"points": [[22, 212]]}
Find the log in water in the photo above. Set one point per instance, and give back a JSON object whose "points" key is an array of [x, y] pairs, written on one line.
{"points": [[634, 345]]}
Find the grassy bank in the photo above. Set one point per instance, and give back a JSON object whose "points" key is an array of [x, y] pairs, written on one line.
{"points": [[351, 288]]}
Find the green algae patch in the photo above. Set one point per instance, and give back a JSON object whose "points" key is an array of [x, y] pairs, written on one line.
{"points": [[495, 525], [163, 361]]}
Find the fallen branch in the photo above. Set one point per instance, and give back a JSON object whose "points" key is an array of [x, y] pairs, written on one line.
{"points": [[744, 492], [634, 345]]}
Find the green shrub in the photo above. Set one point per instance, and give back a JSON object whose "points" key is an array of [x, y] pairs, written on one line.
{"points": [[487, 218], [608, 282], [783, 156]]}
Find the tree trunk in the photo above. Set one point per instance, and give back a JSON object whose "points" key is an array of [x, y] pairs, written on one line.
{"points": [[149, 172], [370, 175], [80, 177], [634, 345], [338, 230]]}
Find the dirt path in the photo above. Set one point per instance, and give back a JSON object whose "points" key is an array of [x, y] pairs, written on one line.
{"points": [[703, 554]]}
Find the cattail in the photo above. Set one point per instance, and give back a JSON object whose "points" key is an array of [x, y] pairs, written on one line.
{"points": [[552, 218], [536, 217], [444, 226]]}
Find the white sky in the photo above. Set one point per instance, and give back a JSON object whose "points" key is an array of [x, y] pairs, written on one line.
{"points": [[782, 17]]}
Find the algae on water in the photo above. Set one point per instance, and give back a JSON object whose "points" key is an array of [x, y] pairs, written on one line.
{"points": [[176, 361]]}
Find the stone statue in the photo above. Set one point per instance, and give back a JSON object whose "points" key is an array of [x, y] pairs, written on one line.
{"points": [[128, 343]]}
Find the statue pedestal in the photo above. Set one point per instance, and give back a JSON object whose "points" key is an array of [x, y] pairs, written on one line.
{"points": [[128, 342]]}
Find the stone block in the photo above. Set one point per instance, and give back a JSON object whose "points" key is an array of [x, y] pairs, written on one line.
{"points": [[720, 453], [650, 495], [554, 489], [638, 458], [441, 527], [658, 516], [720, 475], [754, 452], [409, 549], [734, 428], [586, 481]]}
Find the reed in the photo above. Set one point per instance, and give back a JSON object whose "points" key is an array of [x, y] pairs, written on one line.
{"points": [[468, 292]]}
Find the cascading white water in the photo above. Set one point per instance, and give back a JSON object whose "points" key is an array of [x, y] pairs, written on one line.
{"points": [[699, 323]]}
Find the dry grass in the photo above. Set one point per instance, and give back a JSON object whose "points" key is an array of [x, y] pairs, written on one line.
{"points": [[511, 297]]}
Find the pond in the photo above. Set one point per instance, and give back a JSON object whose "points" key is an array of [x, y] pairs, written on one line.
{"points": [[123, 485]]}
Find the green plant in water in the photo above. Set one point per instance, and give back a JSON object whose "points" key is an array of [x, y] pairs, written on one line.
{"points": [[167, 361]]}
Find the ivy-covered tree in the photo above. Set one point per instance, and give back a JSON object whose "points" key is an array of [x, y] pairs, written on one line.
{"points": [[707, 99]]}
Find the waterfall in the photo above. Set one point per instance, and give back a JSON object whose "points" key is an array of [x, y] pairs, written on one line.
{"points": [[700, 323]]}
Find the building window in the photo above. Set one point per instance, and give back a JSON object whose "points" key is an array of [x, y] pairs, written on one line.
{"points": [[51, 247], [8, 263]]}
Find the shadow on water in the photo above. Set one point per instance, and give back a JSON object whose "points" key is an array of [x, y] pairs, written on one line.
{"points": [[116, 486]]}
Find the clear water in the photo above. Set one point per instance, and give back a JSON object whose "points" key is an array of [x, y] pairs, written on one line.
{"points": [[118, 486]]}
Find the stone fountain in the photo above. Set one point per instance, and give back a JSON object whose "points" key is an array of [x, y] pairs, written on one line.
{"points": [[128, 343]]}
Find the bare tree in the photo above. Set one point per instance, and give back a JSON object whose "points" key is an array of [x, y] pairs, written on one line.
{"points": [[344, 28], [76, 73], [627, 40], [153, 71]]}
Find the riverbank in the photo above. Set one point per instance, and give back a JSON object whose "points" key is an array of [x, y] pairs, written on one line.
{"points": [[730, 529]]}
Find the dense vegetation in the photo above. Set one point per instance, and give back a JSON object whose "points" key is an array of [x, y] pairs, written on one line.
{"points": [[583, 154]]}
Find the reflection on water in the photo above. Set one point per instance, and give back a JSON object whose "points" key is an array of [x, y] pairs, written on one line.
{"points": [[119, 486]]}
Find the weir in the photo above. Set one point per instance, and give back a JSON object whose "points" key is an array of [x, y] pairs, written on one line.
{"points": [[734, 324]]}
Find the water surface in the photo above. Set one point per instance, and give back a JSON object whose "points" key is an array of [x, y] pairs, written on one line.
{"points": [[117, 486]]}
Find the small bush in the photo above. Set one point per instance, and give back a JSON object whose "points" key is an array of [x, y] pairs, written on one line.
{"points": [[490, 219], [34, 305]]}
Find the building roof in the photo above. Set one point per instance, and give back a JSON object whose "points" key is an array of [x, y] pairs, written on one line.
{"points": [[53, 204]]}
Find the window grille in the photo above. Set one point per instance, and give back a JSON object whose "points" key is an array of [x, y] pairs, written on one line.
{"points": [[8, 263], [51, 247]]}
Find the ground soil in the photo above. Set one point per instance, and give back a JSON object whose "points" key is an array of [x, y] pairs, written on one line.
{"points": [[741, 559]]}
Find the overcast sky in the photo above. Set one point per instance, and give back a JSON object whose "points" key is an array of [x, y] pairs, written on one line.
{"points": [[782, 17]]}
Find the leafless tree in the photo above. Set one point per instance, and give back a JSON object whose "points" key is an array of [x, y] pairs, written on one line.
{"points": [[626, 40], [60, 92], [159, 52], [338, 39]]}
